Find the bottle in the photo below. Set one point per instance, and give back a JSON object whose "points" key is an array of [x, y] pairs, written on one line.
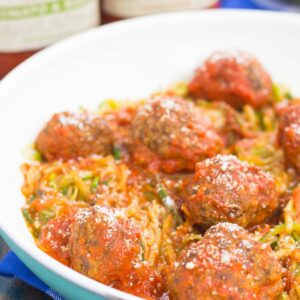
{"points": [[120, 9], [27, 26]]}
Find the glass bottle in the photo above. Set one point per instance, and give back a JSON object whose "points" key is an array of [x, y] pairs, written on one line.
{"points": [[121, 9], [27, 26]]}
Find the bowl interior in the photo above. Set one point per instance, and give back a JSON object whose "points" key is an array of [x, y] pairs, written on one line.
{"points": [[129, 60]]}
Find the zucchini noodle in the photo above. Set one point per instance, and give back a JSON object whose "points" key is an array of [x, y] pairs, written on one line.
{"points": [[284, 239], [54, 189]]}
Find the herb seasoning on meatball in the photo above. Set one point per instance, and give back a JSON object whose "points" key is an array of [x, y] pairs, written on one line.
{"points": [[233, 77], [226, 264], [72, 135], [171, 135], [225, 189]]}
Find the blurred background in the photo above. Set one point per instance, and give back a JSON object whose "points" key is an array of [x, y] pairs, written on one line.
{"points": [[26, 26]]}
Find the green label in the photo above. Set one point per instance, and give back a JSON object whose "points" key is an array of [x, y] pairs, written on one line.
{"points": [[20, 12]]}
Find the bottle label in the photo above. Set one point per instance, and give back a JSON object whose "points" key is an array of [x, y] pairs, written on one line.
{"points": [[33, 24], [132, 8]]}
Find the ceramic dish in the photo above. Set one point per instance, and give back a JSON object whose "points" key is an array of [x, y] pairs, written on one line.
{"points": [[125, 60]]}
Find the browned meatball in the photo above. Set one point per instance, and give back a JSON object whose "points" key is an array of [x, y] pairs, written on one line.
{"points": [[227, 264], [70, 135], [233, 77], [227, 189], [170, 134], [289, 135], [106, 245]]}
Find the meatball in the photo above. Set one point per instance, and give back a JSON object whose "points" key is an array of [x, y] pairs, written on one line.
{"points": [[171, 135], [227, 189], [289, 135], [106, 245], [233, 77], [70, 135], [226, 264]]}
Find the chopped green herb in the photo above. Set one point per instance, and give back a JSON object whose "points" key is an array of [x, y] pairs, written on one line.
{"points": [[117, 153], [280, 93], [64, 190], [27, 216], [32, 154], [36, 233], [37, 156], [95, 182], [162, 192], [296, 236], [274, 245], [169, 203], [260, 118], [46, 215], [105, 182], [31, 198], [86, 175], [289, 95], [149, 195], [143, 249]]}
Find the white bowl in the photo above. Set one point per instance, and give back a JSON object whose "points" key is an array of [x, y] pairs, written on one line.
{"points": [[124, 60]]}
